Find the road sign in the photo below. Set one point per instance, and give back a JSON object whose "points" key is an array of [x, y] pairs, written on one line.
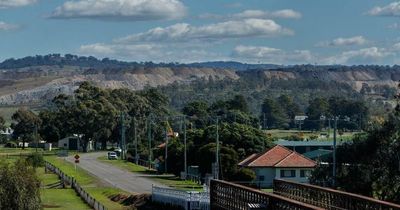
{"points": [[76, 158]]}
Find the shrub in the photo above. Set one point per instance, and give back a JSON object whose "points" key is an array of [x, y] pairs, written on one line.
{"points": [[19, 187], [35, 160], [245, 175]]}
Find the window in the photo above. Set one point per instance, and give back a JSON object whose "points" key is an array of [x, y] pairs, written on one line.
{"points": [[261, 178], [305, 173], [288, 173]]}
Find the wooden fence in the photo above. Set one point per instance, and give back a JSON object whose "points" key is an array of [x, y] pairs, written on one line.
{"points": [[228, 196], [328, 198], [92, 202]]}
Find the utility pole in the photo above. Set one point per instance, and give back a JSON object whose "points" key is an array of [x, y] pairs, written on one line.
{"points": [[123, 136], [217, 154], [136, 141], [334, 152], [36, 137], [149, 138], [184, 140], [166, 145]]}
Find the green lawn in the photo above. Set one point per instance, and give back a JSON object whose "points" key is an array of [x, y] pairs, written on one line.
{"points": [[173, 182], [90, 183], [269, 190], [127, 165], [285, 134], [177, 183], [60, 199]]}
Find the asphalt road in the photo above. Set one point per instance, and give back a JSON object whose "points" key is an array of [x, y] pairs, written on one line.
{"points": [[117, 177]]}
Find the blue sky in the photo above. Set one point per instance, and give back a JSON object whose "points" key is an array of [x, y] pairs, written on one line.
{"points": [[253, 31]]}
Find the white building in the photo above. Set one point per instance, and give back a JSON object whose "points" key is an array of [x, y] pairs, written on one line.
{"points": [[279, 163]]}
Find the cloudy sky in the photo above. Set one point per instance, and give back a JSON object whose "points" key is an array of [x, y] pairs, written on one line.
{"points": [[253, 31]]}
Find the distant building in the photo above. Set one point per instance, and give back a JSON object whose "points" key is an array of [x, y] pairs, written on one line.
{"points": [[307, 146], [279, 163], [69, 143]]}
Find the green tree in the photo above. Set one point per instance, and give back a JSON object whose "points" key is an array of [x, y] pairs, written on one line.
{"points": [[24, 125], [228, 160], [318, 107], [19, 187], [275, 115]]}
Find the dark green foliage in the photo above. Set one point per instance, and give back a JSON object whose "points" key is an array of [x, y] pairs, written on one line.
{"points": [[228, 160], [19, 187], [2, 123], [35, 160], [245, 175], [24, 125], [275, 114]]}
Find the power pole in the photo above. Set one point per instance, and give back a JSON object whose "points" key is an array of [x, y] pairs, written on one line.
{"points": [[166, 145], [36, 137], [217, 154], [184, 140], [123, 136], [149, 139], [334, 152], [136, 141]]}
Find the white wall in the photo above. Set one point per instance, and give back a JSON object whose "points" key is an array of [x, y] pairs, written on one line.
{"points": [[269, 176], [297, 178]]}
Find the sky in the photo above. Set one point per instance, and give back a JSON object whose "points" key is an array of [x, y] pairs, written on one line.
{"points": [[253, 31]]}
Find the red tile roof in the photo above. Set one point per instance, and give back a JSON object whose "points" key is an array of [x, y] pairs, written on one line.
{"points": [[280, 157]]}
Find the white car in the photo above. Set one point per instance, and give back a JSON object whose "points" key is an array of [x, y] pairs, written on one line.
{"points": [[112, 155]]}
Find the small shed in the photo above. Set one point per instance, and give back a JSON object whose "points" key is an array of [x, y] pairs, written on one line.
{"points": [[69, 143]]}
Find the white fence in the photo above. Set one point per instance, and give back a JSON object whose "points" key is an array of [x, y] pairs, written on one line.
{"points": [[184, 199]]}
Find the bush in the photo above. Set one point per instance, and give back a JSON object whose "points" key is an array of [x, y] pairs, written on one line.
{"points": [[245, 175], [19, 187], [35, 160], [11, 144]]}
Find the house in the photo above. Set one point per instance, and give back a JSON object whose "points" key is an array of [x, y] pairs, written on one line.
{"points": [[307, 146], [279, 163]]}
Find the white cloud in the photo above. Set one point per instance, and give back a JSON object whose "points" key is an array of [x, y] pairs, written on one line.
{"points": [[15, 3], [394, 26], [7, 26], [365, 56], [396, 47], [149, 52], [183, 32], [134, 10], [286, 13], [350, 41], [260, 14], [271, 55], [392, 9]]}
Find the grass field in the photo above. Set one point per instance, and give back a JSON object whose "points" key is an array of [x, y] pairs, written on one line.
{"points": [[287, 134], [58, 199], [174, 182], [92, 185], [126, 165]]}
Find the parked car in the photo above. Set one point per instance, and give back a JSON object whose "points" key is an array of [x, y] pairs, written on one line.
{"points": [[112, 155]]}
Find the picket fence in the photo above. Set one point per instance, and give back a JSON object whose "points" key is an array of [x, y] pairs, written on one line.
{"points": [[75, 185], [183, 199]]}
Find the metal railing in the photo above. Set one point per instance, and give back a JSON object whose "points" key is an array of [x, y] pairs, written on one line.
{"points": [[228, 196], [180, 198], [328, 198], [92, 202]]}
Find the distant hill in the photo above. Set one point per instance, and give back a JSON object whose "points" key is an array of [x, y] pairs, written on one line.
{"points": [[234, 65], [35, 79], [92, 62]]}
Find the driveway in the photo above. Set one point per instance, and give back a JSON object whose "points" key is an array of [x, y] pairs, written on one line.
{"points": [[117, 177]]}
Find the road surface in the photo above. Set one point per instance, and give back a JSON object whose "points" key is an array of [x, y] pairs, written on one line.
{"points": [[117, 177]]}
